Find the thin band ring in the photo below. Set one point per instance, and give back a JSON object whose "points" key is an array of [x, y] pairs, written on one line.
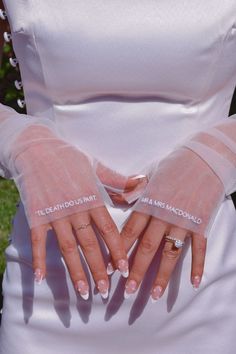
{"points": [[176, 241], [82, 226]]}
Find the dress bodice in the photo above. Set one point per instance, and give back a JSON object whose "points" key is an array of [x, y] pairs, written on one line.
{"points": [[126, 81]]}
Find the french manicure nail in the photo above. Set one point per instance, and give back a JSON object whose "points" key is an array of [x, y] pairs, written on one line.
{"points": [[156, 293], [130, 288], [105, 295], [196, 282], [83, 289], [123, 267], [103, 288], [110, 269], [139, 177], [38, 276]]}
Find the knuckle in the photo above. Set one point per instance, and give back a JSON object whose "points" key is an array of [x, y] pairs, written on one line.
{"points": [[108, 228], [170, 254], [89, 244], [201, 251], [35, 240], [147, 247], [128, 232], [201, 248], [68, 247], [159, 224]]}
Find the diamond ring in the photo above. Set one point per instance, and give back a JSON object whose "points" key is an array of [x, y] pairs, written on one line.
{"points": [[177, 242]]}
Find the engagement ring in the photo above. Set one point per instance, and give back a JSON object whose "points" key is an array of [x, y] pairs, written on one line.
{"points": [[177, 242]]}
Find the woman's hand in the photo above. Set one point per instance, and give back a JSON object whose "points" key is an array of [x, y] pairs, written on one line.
{"points": [[155, 232], [75, 230], [60, 191], [180, 200]]}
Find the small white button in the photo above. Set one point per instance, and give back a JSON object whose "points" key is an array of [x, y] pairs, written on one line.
{"points": [[13, 62], [18, 84], [21, 103], [7, 36], [3, 14]]}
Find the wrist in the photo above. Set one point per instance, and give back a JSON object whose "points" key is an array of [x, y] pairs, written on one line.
{"points": [[34, 140]]}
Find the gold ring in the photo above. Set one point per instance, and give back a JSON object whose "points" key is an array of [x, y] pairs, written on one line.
{"points": [[82, 226]]}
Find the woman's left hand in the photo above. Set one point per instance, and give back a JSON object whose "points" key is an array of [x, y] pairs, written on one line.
{"points": [[181, 199], [149, 244]]}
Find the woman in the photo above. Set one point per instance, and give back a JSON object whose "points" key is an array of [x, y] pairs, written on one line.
{"points": [[113, 91]]}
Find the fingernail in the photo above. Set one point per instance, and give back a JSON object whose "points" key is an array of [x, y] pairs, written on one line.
{"points": [[83, 289], [110, 269], [130, 288], [123, 267], [156, 293], [38, 276], [139, 177], [196, 282], [103, 288]]}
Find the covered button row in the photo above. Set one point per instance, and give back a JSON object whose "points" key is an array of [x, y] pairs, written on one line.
{"points": [[7, 36], [13, 61], [18, 84]]}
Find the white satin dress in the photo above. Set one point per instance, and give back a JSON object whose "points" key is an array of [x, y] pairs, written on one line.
{"points": [[126, 81]]}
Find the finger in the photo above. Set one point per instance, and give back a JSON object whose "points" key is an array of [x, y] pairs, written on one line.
{"points": [[199, 244], [170, 256], [89, 244], [131, 192], [69, 250], [38, 242], [134, 181], [109, 177], [118, 198], [111, 236], [134, 226], [147, 249], [116, 180]]}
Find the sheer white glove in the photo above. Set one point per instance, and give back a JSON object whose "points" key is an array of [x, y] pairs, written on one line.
{"points": [[217, 147], [54, 178], [62, 189], [182, 198], [188, 186], [12, 124], [182, 191]]}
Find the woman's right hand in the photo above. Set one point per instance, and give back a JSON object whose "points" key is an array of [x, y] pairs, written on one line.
{"points": [[75, 230], [59, 190]]}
